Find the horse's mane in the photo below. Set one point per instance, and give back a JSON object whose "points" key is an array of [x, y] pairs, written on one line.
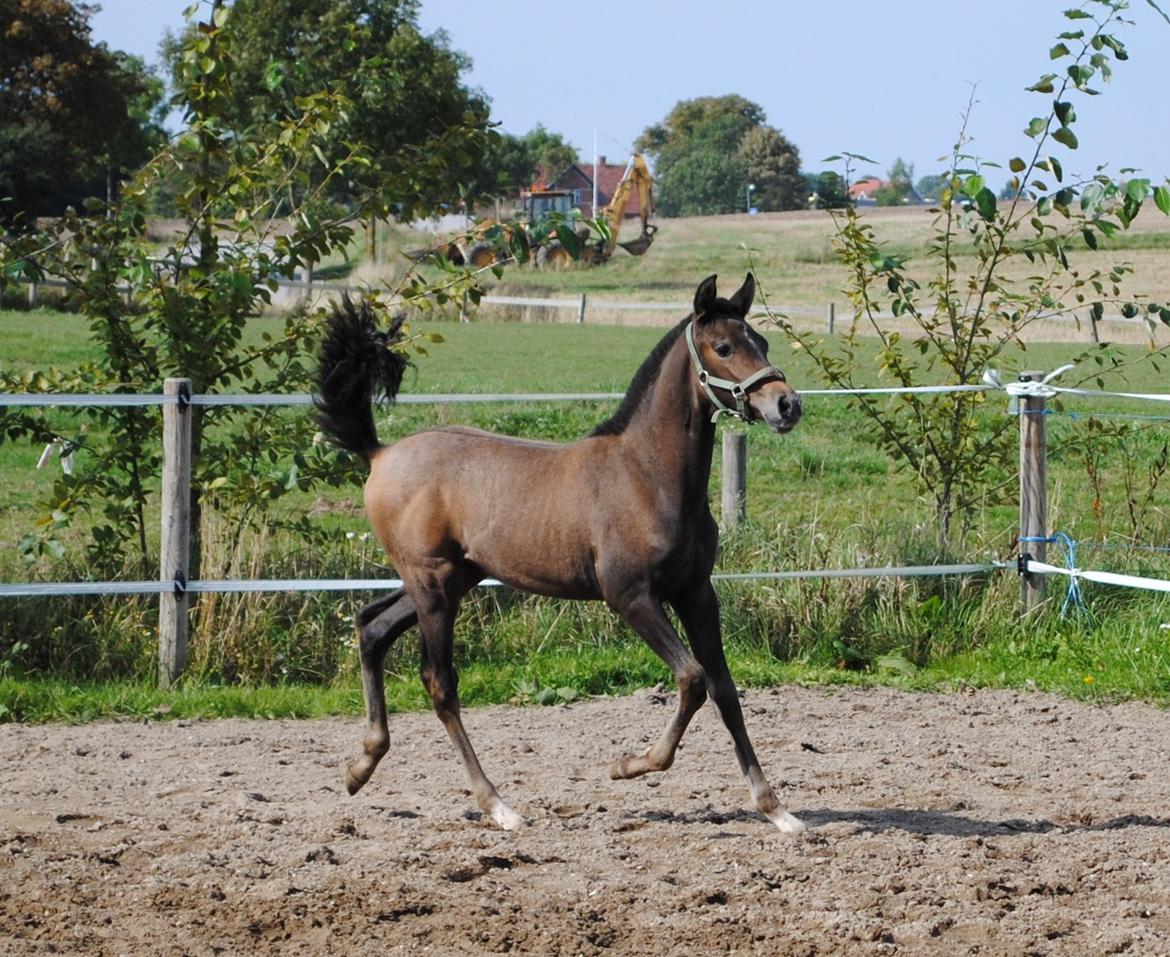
{"points": [[640, 384]]}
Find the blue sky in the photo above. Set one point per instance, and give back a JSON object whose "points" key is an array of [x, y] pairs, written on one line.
{"points": [[885, 80]]}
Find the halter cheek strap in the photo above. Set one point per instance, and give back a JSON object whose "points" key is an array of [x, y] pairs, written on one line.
{"points": [[739, 390]]}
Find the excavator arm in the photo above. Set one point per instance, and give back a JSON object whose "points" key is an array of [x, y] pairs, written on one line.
{"points": [[637, 177]]}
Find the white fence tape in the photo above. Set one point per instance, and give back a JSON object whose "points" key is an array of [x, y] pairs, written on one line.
{"points": [[1105, 578], [226, 586]]}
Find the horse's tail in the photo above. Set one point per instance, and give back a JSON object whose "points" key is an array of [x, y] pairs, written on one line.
{"points": [[357, 366]]}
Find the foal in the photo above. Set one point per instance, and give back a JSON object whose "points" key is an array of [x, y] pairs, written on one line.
{"points": [[619, 516]]}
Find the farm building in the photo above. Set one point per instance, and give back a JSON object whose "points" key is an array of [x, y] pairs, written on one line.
{"points": [[578, 180]]}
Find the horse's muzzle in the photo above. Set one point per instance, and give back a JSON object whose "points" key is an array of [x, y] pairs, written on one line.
{"points": [[779, 407]]}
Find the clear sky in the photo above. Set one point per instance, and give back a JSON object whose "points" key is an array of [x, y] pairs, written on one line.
{"points": [[886, 80]]}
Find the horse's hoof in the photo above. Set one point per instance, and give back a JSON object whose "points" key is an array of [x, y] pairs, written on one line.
{"points": [[505, 817], [355, 779], [620, 770], [785, 821]]}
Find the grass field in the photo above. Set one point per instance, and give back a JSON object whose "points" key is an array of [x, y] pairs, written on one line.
{"points": [[824, 496]]}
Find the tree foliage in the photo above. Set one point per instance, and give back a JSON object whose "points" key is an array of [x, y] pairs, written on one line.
{"points": [[515, 162], [773, 167], [70, 109], [899, 185], [708, 149], [828, 190], [405, 91]]}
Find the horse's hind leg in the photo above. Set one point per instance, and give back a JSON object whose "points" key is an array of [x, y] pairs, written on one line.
{"points": [[379, 624], [699, 613], [647, 617], [437, 601]]}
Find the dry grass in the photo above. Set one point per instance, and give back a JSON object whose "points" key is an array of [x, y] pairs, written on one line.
{"points": [[793, 258]]}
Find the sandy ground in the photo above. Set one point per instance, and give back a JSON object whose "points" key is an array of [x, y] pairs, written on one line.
{"points": [[989, 823]]}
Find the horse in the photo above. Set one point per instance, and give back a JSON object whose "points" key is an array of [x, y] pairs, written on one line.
{"points": [[619, 516]]}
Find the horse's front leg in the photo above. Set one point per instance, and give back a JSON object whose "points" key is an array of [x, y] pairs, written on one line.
{"points": [[698, 610], [646, 616]]}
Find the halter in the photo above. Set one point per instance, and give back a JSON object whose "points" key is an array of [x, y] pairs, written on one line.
{"points": [[739, 390]]}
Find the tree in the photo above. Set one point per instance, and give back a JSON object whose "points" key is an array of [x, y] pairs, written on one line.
{"points": [[70, 109], [406, 92], [773, 167], [705, 174], [829, 190], [708, 149], [993, 270], [899, 184], [551, 154], [930, 187]]}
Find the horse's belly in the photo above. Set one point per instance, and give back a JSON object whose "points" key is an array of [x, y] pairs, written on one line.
{"points": [[546, 561]]}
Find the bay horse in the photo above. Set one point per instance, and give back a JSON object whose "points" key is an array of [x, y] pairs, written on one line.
{"points": [[619, 516]]}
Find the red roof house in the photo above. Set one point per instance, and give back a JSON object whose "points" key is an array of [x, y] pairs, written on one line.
{"points": [[578, 179]]}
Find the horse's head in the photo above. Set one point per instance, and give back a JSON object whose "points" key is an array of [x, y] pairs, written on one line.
{"points": [[731, 360]]}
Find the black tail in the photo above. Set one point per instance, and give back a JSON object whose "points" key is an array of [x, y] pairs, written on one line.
{"points": [[357, 366]]}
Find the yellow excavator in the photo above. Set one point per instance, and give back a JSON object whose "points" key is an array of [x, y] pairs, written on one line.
{"points": [[486, 243], [554, 255]]}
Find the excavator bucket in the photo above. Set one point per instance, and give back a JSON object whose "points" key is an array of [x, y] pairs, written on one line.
{"points": [[638, 247]]}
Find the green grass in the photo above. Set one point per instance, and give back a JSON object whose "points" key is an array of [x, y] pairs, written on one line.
{"points": [[823, 496]]}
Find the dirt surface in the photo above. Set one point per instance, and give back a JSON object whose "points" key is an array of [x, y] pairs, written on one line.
{"points": [[990, 823]]}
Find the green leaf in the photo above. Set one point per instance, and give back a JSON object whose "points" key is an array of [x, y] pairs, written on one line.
{"points": [[1036, 127], [1066, 137], [1057, 169], [1058, 51], [1064, 112], [569, 239], [1090, 237], [985, 201], [1137, 189], [1017, 165], [1162, 199], [1043, 85], [1077, 14]]}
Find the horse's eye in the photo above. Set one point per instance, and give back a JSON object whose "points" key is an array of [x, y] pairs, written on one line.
{"points": [[723, 350]]}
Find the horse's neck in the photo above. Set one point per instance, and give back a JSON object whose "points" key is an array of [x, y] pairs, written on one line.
{"points": [[672, 426]]}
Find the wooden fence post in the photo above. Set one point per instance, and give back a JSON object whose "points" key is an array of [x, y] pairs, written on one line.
{"points": [[1033, 489], [32, 294], [581, 310], [176, 532], [734, 497], [831, 317]]}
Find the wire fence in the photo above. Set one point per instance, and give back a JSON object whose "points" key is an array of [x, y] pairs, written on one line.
{"points": [[1028, 398]]}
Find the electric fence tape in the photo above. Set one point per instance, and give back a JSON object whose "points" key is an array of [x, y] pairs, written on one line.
{"points": [[224, 586]]}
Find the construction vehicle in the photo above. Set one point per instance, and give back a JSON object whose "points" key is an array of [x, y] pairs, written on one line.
{"points": [[547, 215], [554, 255]]}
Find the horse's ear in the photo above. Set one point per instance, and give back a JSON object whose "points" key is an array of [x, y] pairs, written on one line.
{"points": [[704, 297], [742, 299]]}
